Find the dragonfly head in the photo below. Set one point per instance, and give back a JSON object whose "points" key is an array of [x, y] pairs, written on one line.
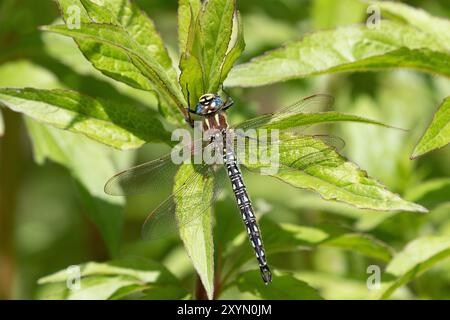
{"points": [[208, 104]]}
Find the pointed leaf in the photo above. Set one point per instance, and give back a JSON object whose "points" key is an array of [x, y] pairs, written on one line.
{"points": [[187, 13], [191, 79], [140, 269], [216, 30], [137, 24], [237, 46], [438, 132], [307, 162], [213, 42], [92, 288], [350, 48], [197, 234], [168, 91], [109, 280], [113, 61], [131, 19], [417, 257], [120, 126]]}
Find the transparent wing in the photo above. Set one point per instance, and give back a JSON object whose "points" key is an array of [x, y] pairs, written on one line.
{"points": [[301, 141], [251, 145], [147, 177], [189, 202], [308, 151], [311, 104], [292, 153]]}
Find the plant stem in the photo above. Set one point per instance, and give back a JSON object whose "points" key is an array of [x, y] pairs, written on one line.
{"points": [[200, 292], [10, 171]]}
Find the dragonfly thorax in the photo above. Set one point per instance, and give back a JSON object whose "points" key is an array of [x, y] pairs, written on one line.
{"points": [[208, 104], [215, 123]]}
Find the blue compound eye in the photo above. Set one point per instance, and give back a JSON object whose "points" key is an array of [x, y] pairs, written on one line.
{"points": [[208, 104], [199, 108], [218, 102]]}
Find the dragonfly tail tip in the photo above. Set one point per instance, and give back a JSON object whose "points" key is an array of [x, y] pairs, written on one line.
{"points": [[266, 274]]}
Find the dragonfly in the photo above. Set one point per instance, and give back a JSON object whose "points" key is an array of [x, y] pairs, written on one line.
{"points": [[212, 110]]}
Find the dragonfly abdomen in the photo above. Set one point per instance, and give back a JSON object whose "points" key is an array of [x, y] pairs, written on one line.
{"points": [[247, 213]]}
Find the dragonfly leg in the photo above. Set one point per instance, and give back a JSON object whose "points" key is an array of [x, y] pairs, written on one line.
{"points": [[189, 119], [228, 104], [188, 109]]}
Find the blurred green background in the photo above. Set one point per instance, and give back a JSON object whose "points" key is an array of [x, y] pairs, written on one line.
{"points": [[43, 225]]}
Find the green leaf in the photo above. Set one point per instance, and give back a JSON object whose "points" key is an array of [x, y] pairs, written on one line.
{"points": [[64, 58], [110, 280], [110, 57], [91, 164], [132, 20], [187, 15], [211, 40], [216, 31], [283, 287], [237, 44], [197, 234], [168, 91], [307, 162], [137, 24], [418, 18], [350, 48], [438, 133], [191, 79], [120, 126], [92, 288], [285, 236], [141, 269], [67, 11], [417, 257], [105, 58]]}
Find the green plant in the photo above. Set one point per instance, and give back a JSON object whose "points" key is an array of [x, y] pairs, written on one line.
{"points": [[122, 42]]}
